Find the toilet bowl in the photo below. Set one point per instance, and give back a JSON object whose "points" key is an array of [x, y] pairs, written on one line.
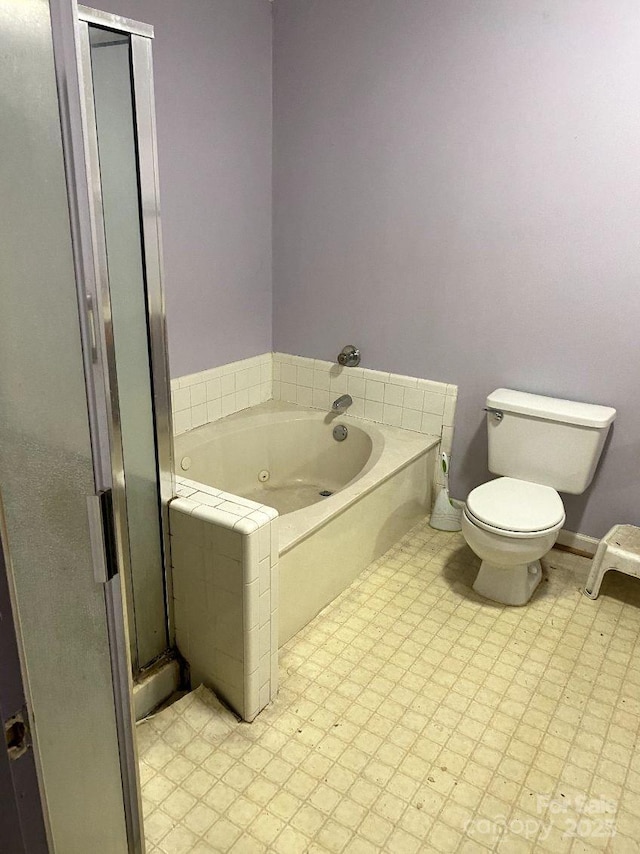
{"points": [[510, 524]]}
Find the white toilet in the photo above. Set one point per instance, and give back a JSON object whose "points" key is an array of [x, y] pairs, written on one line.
{"points": [[540, 445]]}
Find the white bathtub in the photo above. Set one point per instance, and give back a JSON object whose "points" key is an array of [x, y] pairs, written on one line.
{"points": [[283, 456]]}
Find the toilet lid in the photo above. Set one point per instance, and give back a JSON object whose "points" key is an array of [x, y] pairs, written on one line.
{"points": [[516, 505]]}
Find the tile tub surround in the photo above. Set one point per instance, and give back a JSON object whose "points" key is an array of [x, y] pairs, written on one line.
{"points": [[224, 558], [201, 398], [415, 717], [421, 405]]}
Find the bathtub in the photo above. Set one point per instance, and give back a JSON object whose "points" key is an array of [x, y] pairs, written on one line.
{"points": [[341, 504]]}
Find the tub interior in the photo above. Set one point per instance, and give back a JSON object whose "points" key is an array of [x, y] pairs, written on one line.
{"points": [[289, 496], [286, 464]]}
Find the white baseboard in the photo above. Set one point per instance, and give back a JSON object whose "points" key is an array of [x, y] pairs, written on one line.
{"points": [[582, 542]]}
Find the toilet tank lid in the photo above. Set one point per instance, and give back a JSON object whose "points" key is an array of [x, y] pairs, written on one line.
{"points": [[551, 408]]}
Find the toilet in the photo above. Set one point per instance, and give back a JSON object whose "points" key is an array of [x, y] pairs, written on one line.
{"points": [[540, 446]]}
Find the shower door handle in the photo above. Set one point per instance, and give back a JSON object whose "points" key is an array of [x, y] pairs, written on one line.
{"points": [[102, 536], [93, 335]]}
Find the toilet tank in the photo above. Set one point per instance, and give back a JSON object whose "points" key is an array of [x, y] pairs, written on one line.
{"points": [[546, 440]]}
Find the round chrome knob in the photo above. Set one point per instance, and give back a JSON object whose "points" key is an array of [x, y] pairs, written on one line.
{"points": [[349, 357]]}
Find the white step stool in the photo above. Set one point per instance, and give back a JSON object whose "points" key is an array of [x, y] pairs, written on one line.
{"points": [[620, 550]]}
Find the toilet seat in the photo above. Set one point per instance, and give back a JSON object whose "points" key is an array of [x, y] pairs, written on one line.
{"points": [[515, 508], [516, 535]]}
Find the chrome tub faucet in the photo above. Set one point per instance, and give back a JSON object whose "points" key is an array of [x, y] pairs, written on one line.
{"points": [[341, 403]]}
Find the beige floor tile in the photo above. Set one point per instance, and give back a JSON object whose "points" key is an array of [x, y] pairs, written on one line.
{"points": [[180, 840], [157, 825], [266, 827], [414, 717]]}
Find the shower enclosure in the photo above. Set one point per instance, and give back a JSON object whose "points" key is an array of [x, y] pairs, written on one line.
{"points": [[85, 432], [126, 313], [85, 438]]}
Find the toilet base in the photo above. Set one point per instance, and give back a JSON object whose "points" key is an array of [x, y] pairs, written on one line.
{"points": [[512, 585]]}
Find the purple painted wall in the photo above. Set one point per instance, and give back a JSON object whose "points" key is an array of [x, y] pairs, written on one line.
{"points": [[212, 73], [457, 192]]}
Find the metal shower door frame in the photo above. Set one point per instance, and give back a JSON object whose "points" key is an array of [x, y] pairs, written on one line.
{"points": [[83, 176], [144, 120]]}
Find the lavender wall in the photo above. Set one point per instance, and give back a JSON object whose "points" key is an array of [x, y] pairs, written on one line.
{"points": [[212, 73], [456, 191]]}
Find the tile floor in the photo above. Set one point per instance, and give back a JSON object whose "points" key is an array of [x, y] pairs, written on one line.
{"points": [[415, 717]]}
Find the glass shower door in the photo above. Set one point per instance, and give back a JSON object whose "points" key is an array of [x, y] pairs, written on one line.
{"points": [[124, 310]]}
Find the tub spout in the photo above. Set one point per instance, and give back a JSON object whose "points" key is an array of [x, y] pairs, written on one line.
{"points": [[342, 402]]}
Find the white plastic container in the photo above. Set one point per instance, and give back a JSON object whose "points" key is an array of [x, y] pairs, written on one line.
{"points": [[445, 516]]}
